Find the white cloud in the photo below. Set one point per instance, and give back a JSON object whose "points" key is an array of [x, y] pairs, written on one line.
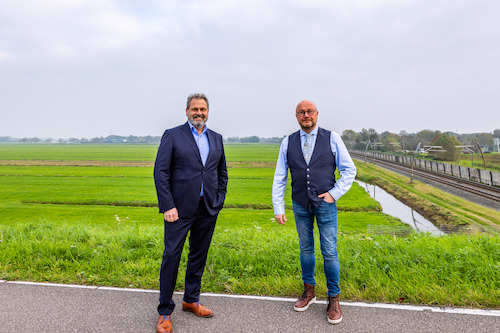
{"points": [[111, 29], [364, 62], [39, 30], [234, 14]]}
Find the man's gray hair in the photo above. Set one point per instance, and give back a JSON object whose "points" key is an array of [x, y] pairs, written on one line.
{"points": [[196, 96]]}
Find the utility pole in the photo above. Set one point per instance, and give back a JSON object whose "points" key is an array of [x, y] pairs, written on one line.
{"points": [[482, 155], [472, 155], [413, 161], [366, 149]]}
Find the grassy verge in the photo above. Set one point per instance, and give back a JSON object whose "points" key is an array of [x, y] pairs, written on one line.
{"points": [[261, 257]]}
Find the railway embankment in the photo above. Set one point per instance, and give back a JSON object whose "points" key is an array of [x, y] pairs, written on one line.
{"points": [[470, 189], [472, 174], [451, 213]]}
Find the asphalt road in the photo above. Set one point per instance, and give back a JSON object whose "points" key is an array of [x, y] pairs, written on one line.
{"points": [[26, 307]]}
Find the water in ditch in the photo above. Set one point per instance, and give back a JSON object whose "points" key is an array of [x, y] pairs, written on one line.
{"points": [[394, 207]]}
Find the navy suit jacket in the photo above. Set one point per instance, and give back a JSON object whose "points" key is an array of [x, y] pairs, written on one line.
{"points": [[179, 172]]}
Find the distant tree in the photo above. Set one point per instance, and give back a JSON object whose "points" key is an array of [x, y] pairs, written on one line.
{"points": [[403, 135], [485, 139], [368, 134], [250, 139], [349, 137], [407, 140], [496, 133], [427, 136], [463, 138], [133, 139], [448, 142], [390, 141], [274, 140]]}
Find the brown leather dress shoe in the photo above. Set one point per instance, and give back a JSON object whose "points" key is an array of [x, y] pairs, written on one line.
{"points": [[198, 309], [334, 314], [164, 324], [308, 297]]}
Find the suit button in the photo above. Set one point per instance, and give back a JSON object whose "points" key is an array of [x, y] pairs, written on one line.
{"points": [[308, 176], [308, 188], [308, 182], [307, 169]]}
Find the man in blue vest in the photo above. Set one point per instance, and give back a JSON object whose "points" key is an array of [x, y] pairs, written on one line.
{"points": [[191, 183], [313, 154]]}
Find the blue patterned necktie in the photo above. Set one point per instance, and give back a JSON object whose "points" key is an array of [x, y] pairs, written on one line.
{"points": [[307, 148]]}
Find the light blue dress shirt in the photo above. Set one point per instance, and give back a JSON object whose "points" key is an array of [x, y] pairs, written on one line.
{"points": [[342, 159], [203, 145]]}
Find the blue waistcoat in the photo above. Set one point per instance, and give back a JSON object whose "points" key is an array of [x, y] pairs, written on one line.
{"points": [[308, 181]]}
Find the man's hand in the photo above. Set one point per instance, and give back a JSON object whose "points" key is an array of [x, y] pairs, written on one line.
{"points": [[327, 197], [171, 215], [281, 218]]}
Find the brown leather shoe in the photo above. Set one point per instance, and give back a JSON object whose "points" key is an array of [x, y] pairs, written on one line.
{"points": [[308, 297], [334, 314], [198, 309], [164, 324]]}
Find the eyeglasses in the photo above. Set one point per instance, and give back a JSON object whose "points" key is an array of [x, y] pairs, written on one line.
{"points": [[302, 113]]}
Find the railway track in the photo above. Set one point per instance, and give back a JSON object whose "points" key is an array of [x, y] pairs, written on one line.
{"points": [[481, 190]]}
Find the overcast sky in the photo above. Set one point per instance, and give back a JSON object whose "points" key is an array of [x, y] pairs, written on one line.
{"points": [[86, 68]]}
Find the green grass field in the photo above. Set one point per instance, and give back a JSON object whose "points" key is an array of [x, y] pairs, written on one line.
{"points": [[98, 224], [492, 161]]}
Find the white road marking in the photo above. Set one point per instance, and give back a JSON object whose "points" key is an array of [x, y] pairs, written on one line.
{"points": [[467, 311]]}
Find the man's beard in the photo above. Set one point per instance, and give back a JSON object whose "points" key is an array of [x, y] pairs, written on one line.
{"points": [[305, 128], [198, 124]]}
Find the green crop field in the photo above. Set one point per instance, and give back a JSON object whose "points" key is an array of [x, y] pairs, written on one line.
{"points": [[87, 214], [78, 152]]}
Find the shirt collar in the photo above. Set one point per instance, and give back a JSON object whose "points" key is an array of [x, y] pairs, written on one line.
{"points": [[194, 130], [313, 132]]}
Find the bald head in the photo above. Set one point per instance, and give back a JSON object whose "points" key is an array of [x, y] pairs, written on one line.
{"points": [[307, 115], [306, 105]]}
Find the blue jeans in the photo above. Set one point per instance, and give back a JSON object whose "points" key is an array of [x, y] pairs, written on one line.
{"points": [[326, 219]]}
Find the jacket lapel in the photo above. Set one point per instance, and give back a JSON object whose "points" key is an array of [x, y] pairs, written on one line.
{"points": [[188, 136], [211, 143]]}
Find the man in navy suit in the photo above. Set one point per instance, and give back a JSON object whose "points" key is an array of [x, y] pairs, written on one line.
{"points": [[191, 183]]}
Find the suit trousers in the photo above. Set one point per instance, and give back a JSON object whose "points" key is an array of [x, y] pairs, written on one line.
{"points": [[200, 227]]}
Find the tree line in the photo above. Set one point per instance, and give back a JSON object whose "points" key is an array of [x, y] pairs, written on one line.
{"points": [[253, 139], [148, 139], [385, 142], [408, 142]]}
